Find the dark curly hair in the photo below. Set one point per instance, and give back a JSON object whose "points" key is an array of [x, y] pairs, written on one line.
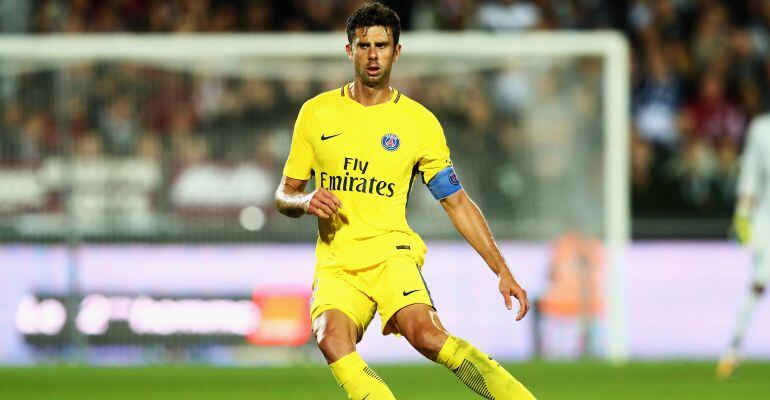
{"points": [[373, 14]]}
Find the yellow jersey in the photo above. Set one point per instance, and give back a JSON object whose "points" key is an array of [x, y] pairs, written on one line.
{"points": [[369, 157]]}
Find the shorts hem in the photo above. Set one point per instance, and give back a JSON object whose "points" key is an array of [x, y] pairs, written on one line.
{"points": [[318, 310], [384, 321]]}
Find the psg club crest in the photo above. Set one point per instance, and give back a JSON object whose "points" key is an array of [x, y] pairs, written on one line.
{"points": [[453, 178], [390, 142]]}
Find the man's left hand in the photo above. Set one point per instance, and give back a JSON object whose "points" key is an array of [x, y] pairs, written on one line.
{"points": [[742, 227], [509, 287]]}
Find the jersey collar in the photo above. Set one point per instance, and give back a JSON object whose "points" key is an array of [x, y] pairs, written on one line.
{"points": [[345, 95]]}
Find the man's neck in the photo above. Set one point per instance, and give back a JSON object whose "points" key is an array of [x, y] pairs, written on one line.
{"points": [[370, 96]]}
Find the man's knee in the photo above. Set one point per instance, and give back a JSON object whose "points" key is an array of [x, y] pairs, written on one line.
{"points": [[334, 346], [420, 325], [335, 336], [426, 338]]}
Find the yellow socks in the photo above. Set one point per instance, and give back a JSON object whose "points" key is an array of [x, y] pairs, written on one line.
{"points": [[359, 380], [480, 372], [475, 369]]}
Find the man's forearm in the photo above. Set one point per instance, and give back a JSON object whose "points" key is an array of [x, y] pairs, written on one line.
{"points": [[291, 201], [470, 223], [468, 220]]}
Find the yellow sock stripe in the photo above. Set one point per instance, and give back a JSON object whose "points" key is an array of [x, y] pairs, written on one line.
{"points": [[472, 378], [369, 371]]}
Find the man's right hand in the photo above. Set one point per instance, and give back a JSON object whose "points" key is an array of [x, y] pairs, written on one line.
{"points": [[321, 203]]}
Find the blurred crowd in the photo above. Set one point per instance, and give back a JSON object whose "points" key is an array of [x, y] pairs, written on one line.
{"points": [[700, 72], [75, 16]]}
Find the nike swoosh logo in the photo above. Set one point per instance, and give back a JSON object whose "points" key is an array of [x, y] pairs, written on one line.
{"points": [[324, 137], [405, 293]]}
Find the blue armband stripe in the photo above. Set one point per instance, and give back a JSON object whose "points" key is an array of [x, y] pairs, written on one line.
{"points": [[444, 184]]}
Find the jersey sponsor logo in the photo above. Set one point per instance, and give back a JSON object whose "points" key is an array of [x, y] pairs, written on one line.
{"points": [[390, 142], [324, 137], [403, 247], [405, 293], [347, 183], [352, 183]]}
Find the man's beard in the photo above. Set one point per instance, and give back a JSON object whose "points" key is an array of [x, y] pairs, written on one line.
{"points": [[374, 81]]}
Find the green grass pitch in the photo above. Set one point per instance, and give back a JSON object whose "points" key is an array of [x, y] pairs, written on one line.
{"points": [[588, 380]]}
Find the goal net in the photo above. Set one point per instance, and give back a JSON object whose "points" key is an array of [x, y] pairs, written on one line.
{"points": [[181, 139]]}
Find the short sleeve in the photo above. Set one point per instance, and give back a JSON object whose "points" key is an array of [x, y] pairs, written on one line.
{"points": [[300, 161], [433, 155]]}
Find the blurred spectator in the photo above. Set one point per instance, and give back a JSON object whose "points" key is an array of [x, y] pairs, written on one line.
{"points": [[29, 142], [509, 15], [758, 27], [744, 62], [194, 186], [77, 120], [711, 45], [512, 89], [642, 160], [213, 186], [9, 130], [258, 16], [656, 103], [715, 119], [450, 15], [224, 19], [318, 16], [118, 125], [573, 304], [149, 148], [189, 150], [697, 170], [88, 146], [745, 70]]}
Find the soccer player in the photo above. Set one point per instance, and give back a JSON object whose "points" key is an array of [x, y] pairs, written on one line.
{"points": [[752, 227], [366, 143]]}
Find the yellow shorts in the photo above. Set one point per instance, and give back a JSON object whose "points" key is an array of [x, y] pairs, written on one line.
{"points": [[385, 287]]}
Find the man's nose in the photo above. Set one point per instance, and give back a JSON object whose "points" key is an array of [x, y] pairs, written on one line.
{"points": [[372, 53]]}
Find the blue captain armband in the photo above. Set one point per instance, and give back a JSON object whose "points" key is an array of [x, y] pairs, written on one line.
{"points": [[444, 184]]}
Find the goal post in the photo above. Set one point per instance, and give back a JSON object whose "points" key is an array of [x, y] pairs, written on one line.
{"points": [[509, 61]]}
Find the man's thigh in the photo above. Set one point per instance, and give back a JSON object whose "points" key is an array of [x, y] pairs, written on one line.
{"points": [[416, 317], [339, 290], [397, 284]]}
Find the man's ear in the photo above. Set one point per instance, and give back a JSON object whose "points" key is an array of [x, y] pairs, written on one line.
{"points": [[349, 50], [396, 52]]}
